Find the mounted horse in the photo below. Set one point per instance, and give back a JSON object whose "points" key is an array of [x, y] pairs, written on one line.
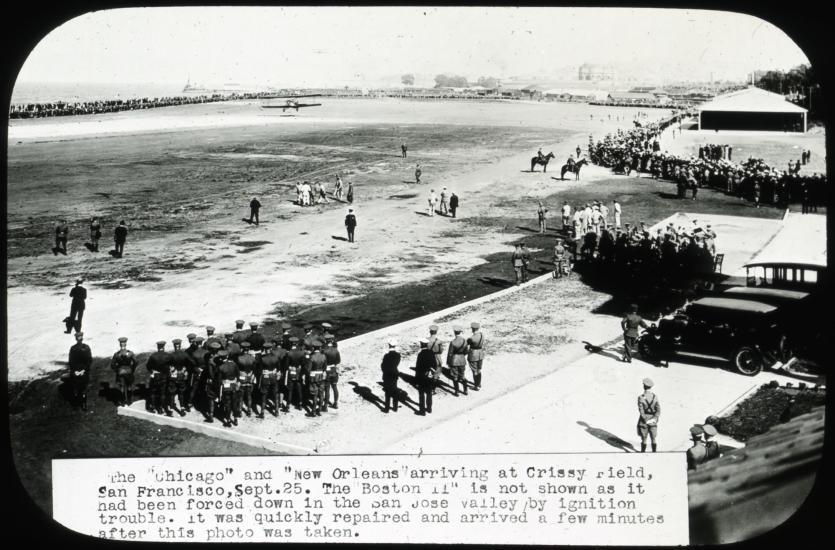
{"points": [[574, 169], [543, 161]]}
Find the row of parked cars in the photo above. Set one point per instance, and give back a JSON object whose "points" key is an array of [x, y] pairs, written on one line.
{"points": [[770, 321]]}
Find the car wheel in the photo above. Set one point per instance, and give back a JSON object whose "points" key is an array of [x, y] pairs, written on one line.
{"points": [[748, 361]]}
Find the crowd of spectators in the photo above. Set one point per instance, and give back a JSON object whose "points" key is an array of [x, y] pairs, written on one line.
{"points": [[639, 149], [65, 108]]}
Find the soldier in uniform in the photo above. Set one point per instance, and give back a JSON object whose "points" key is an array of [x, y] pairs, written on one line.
{"points": [[456, 360], [210, 337], [198, 355], [317, 364], [630, 325], [95, 233], [518, 261], [649, 409], [158, 365], [295, 373], [79, 299], [437, 348], [331, 371], [268, 382], [123, 364], [559, 259], [453, 204], [181, 364], [285, 335], [350, 224], [256, 339], [526, 261], [209, 379], [540, 214], [120, 236], [425, 368], [418, 172], [698, 452], [61, 232], [246, 378], [475, 354], [711, 446], [228, 386], [240, 334], [80, 360], [444, 201], [391, 360]]}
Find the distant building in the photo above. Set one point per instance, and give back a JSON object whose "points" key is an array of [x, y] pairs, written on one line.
{"points": [[752, 109], [589, 71]]}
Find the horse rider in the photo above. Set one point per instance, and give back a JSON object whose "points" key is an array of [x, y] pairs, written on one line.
{"points": [[539, 154], [570, 161]]}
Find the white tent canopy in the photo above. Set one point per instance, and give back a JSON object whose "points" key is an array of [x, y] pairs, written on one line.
{"points": [[754, 100]]}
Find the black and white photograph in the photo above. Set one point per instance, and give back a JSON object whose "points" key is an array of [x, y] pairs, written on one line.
{"points": [[502, 275]]}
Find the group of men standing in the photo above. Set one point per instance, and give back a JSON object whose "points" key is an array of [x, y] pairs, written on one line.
{"points": [[62, 230], [447, 202], [234, 373], [429, 366]]}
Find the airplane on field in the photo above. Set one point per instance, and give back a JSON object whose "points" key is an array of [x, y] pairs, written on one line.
{"points": [[292, 102]]}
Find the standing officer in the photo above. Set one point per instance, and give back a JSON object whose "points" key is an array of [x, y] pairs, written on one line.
{"points": [[61, 232], [158, 366], [437, 348], [210, 337], [317, 364], [540, 214], [350, 224], [95, 233], [256, 339], [453, 204], [254, 208], [79, 298], [123, 364], [240, 334], [444, 201], [209, 378], [418, 172], [630, 325], [331, 371], [198, 356], [246, 377], [229, 390], [526, 261], [391, 360], [518, 261], [425, 377], [120, 236], [649, 409], [698, 452], [268, 384], [232, 346], [711, 446], [295, 373], [80, 360], [559, 259], [456, 360], [475, 355], [181, 365]]}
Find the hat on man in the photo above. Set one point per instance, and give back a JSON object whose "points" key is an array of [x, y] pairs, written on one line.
{"points": [[214, 344], [696, 430], [176, 341], [308, 326], [79, 335], [199, 340], [457, 329], [239, 323], [633, 307], [328, 336], [245, 345], [122, 340], [79, 280], [267, 345], [474, 326], [161, 344], [424, 342], [253, 325], [210, 329], [269, 321], [286, 326], [229, 335], [648, 383], [433, 328], [191, 336], [294, 339], [223, 353], [709, 430], [327, 325], [392, 343]]}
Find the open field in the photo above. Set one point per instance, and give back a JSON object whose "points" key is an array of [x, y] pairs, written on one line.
{"points": [[190, 261]]}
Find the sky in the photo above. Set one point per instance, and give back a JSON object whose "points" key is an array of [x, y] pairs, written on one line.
{"points": [[310, 46]]}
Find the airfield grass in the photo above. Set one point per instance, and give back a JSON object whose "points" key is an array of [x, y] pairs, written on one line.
{"points": [[45, 426]]}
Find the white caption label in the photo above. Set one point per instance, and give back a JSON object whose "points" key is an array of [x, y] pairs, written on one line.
{"points": [[618, 498]]}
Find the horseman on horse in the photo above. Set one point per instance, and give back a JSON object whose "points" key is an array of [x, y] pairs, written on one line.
{"points": [[541, 159], [573, 166]]}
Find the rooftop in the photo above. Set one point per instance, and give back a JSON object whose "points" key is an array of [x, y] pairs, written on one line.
{"points": [[752, 99]]}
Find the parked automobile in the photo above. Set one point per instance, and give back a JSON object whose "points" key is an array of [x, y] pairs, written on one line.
{"points": [[744, 332]]}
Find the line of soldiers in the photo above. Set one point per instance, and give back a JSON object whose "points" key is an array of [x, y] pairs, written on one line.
{"points": [[62, 230], [236, 371], [429, 365]]}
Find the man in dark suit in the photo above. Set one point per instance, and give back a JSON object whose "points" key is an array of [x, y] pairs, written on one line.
{"points": [[79, 297], [120, 235], [80, 361], [254, 207], [391, 360], [350, 224], [425, 377]]}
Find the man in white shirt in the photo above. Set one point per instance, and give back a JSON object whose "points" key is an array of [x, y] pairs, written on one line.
{"points": [[617, 210], [566, 215], [433, 200]]}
